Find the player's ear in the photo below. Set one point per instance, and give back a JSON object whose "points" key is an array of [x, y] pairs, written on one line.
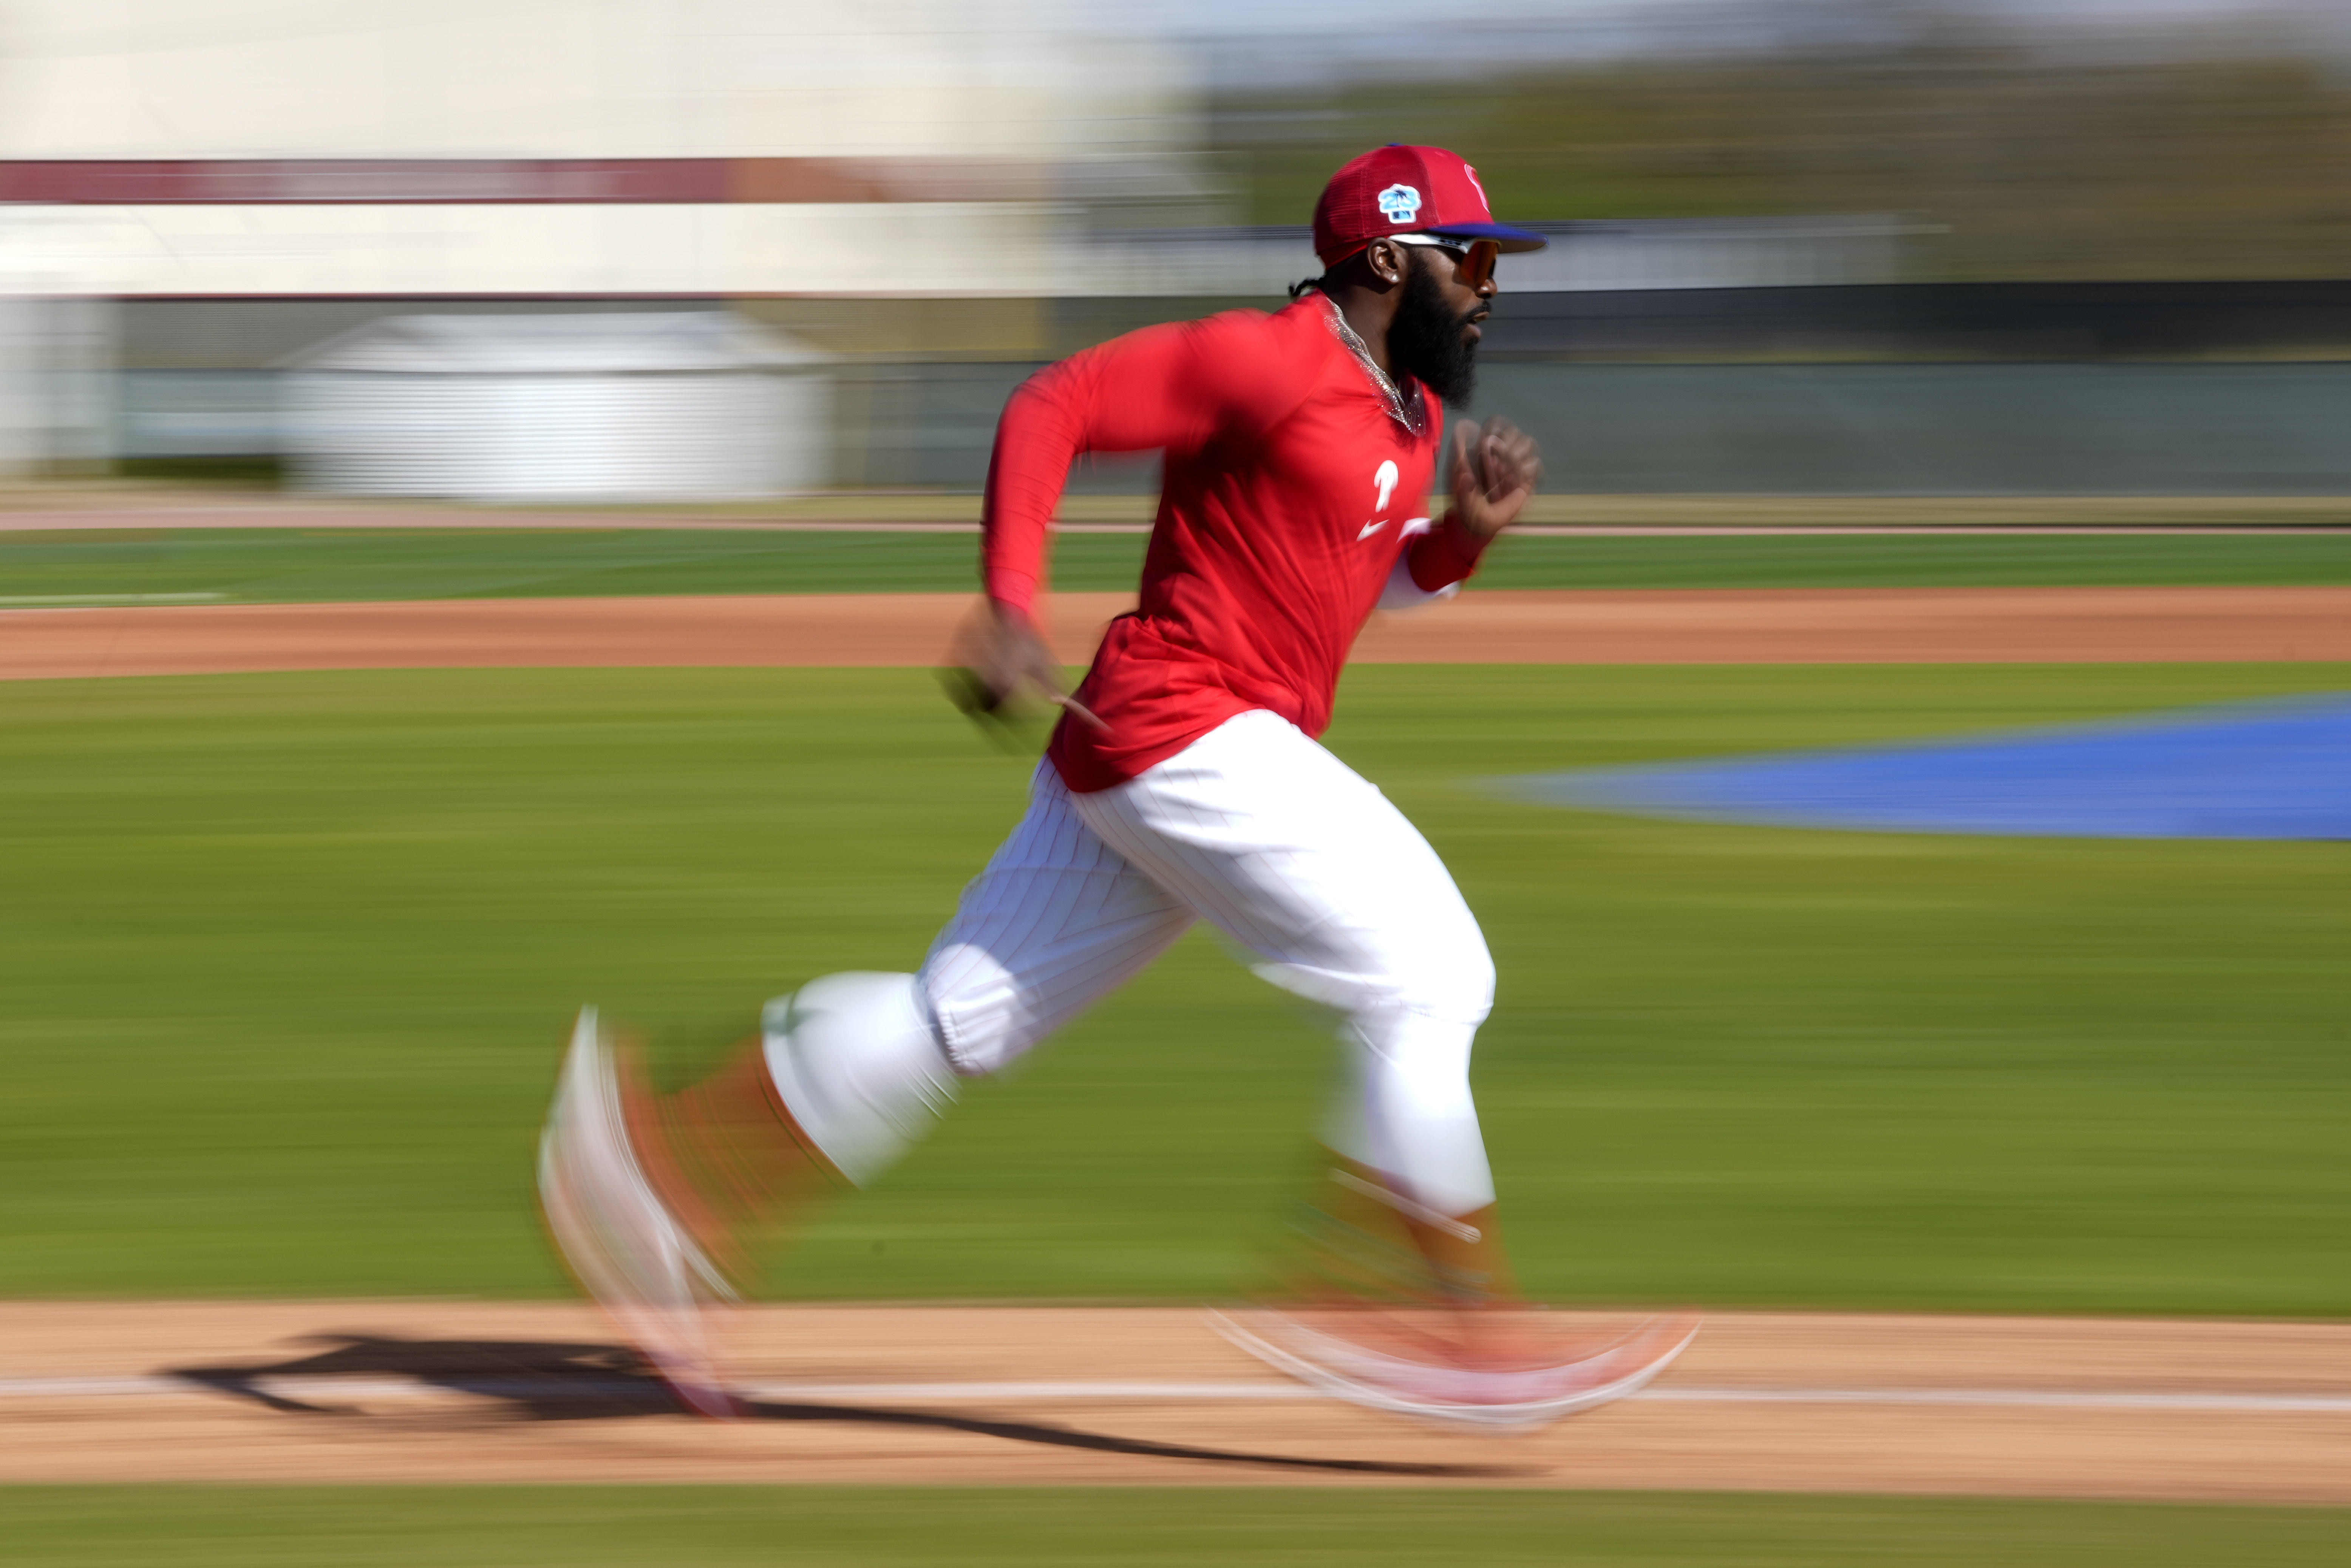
{"points": [[1385, 259]]}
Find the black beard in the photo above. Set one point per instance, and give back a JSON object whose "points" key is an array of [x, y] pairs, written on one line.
{"points": [[1426, 342]]}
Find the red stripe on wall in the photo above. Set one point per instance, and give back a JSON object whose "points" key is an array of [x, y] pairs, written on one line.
{"points": [[219, 182]]}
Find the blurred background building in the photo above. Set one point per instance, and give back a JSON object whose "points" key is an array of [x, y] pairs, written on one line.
{"points": [[1800, 244], [241, 181]]}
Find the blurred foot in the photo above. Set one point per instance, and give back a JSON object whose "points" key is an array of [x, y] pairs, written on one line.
{"points": [[1498, 1367], [621, 1241]]}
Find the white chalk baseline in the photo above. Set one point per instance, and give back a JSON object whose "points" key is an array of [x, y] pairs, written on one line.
{"points": [[155, 1386]]}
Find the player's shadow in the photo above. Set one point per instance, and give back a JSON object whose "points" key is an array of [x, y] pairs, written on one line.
{"points": [[544, 1380]]}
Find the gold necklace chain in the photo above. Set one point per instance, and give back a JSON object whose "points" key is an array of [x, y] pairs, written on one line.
{"points": [[1413, 415]]}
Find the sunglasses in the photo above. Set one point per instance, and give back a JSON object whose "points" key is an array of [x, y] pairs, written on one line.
{"points": [[1474, 259]]}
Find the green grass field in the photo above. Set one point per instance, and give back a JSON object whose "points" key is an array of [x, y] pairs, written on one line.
{"points": [[261, 564], [290, 958], [604, 1526]]}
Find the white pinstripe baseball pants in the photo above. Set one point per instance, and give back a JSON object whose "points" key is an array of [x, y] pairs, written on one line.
{"points": [[1272, 839]]}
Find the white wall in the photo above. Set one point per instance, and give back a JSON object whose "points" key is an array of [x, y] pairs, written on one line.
{"points": [[896, 248], [599, 439], [575, 79], [57, 405]]}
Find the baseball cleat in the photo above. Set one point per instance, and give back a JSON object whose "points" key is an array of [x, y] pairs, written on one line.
{"points": [[1381, 1360], [621, 1243]]}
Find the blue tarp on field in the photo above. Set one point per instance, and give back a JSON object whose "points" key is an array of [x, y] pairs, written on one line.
{"points": [[2278, 769]]}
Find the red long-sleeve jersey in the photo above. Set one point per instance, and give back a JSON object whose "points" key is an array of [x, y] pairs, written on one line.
{"points": [[1289, 479]]}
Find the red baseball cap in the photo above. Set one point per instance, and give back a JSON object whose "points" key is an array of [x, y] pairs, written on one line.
{"points": [[1401, 190]]}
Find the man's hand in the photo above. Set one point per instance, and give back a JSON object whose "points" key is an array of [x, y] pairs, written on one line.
{"points": [[1000, 652], [1495, 471]]}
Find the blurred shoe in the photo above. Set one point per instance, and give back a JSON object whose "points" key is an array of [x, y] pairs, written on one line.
{"points": [[622, 1243], [1518, 1372]]}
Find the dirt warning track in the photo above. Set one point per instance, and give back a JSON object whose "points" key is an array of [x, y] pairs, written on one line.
{"points": [[945, 1394], [1970, 626]]}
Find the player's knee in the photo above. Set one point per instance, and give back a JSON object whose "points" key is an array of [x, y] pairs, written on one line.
{"points": [[1452, 981], [855, 1059], [976, 1006]]}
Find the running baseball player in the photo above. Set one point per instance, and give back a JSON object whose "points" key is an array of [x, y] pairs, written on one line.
{"points": [[1183, 783]]}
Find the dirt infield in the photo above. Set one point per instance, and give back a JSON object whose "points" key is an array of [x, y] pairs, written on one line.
{"points": [[1968, 625], [456, 1392]]}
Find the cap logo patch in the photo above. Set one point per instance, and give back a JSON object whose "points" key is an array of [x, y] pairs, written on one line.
{"points": [[1399, 203]]}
